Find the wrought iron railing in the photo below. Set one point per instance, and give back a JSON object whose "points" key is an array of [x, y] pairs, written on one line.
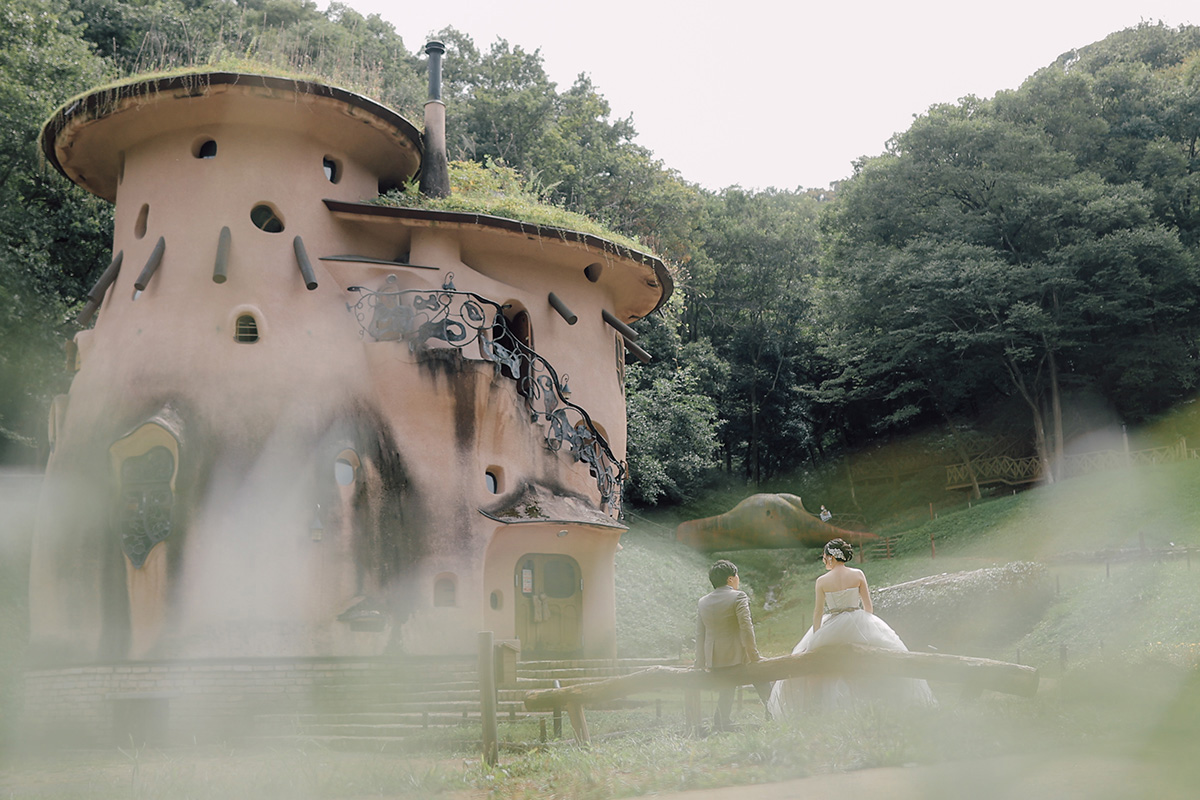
{"points": [[462, 319]]}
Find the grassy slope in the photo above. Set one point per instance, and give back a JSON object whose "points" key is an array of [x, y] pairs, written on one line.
{"points": [[1137, 714], [1129, 606]]}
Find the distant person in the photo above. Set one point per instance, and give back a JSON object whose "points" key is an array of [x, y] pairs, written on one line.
{"points": [[825, 514], [725, 635], [843, 614]]}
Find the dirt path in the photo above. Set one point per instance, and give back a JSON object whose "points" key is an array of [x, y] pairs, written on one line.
{"points": [[1085, 777]]}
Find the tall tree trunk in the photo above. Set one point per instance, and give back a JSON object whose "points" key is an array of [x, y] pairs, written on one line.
{"points": [[1039, 423], [1056, 418], [755, 473]]}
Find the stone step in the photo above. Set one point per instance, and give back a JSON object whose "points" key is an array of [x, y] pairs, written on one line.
{"points": [[630, 664], [398, 690], [387, 701]]}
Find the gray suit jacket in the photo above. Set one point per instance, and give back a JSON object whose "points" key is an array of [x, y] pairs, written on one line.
{"points": [[724, 632]]}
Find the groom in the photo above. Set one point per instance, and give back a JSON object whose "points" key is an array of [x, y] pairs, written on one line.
{"points": [[725, 635]]}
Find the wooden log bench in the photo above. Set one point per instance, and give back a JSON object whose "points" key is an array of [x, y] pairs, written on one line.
{"points": [[850, 660]]}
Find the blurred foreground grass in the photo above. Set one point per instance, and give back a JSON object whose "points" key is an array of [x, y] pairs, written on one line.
{"points": [[1117, 649], [1148, 721]]}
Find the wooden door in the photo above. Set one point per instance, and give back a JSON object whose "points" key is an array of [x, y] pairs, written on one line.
{"points": [[549, 606]]}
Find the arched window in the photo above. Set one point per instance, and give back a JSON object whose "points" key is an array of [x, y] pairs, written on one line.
{"points": [[509, 332], [246, 330], [445, 591], [145, 464]]}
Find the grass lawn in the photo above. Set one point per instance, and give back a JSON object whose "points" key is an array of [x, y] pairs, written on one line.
{"points": [[1116, 648]]}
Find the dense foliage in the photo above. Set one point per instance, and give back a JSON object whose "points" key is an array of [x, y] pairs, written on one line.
{"points": [[1035, 250]]}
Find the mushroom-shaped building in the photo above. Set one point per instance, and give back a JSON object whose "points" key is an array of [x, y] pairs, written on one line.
{"points": [[305, 425]]}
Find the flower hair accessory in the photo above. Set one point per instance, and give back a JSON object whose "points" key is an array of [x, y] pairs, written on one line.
{"points": [[836, 552]]}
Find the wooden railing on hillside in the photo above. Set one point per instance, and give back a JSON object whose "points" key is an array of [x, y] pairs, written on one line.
{"points": [[1015, 471], [974, 674]]}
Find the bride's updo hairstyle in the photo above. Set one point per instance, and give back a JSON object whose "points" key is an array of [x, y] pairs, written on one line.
{"points": [[839, 550]]}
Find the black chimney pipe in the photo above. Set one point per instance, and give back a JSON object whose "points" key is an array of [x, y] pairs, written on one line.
{"points": [[435, 168], [435, 50]]}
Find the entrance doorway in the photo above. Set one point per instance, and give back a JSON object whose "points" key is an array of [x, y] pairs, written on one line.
{"points": [[549, 606]]}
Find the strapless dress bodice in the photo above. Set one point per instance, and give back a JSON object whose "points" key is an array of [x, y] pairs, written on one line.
{"points": [[844, 600]]}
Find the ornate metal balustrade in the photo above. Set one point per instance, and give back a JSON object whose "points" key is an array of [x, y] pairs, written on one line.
{"points": [[464, 319]]}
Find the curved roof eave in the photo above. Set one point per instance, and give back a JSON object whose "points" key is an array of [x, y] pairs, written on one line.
{"points": [[99, 102], [666, 282]]}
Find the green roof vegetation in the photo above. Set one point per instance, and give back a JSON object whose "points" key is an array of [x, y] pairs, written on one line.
{"points": [[499, 190]]}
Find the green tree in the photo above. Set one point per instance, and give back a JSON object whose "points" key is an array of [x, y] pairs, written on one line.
{"points": [[752, 296], [975, 240], [672, 436], [52, 237]]}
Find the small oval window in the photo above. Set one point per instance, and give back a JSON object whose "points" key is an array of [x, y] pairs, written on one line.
{"points": [[493, 482], [265, 219], [343, 472], [497, 601], [206, 148], [247, 329], [333, 173]]}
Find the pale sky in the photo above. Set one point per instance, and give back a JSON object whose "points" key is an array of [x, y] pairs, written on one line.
{"points": [[763, 93]]}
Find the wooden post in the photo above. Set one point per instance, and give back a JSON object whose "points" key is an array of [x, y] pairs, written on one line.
{"points": [[691, 710], [563, 311], [578, 722], [542, 730], [152, 263], [109, 275], [302, 261], [221, 263], [487, 698], [558, 722]]}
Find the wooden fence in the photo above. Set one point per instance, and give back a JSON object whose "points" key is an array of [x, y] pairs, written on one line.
{"points": [[1016, 471]]}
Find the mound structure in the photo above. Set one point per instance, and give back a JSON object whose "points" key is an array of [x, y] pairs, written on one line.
{"points": [[969, 613]]}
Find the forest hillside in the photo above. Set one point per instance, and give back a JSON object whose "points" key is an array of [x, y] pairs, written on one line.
{"points": [[1013, 276]]}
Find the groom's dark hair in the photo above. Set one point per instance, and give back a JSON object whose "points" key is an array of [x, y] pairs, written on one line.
{"points": [[720, 573]]}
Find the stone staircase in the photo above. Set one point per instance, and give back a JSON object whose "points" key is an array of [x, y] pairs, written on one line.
{"points": [[421, 704]]}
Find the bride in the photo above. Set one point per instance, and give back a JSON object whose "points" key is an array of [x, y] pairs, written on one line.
{"points": [[843, 615]]}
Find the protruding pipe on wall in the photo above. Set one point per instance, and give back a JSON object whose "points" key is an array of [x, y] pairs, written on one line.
{"points": [[558, 305], [151, 265], [629, 333], [638, 353], [86, 313], [435, 168], [96, 295], [306, 269], [221, 266]]}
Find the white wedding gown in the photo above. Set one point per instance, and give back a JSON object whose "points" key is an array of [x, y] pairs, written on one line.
{"points": [[845, 622]]}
